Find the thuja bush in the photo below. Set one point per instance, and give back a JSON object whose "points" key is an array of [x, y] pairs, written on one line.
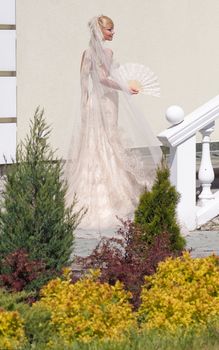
{"points": [[183, 293], [33, 214], [156, 211], [87, 309], [128, 258]]}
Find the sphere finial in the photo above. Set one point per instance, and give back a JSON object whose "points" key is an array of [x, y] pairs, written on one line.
{"points": [[175, 114]]}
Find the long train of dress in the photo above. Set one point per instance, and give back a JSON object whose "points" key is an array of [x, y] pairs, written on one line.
{"points": [[106, 177]]}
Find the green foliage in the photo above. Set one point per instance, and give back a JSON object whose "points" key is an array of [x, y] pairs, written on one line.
{"points": [[179, 311], [12, 335], [38, 329], [88, 309], [156, 212], [183, 293], [14, 301], [36, 318], [33, 214], [148, 340]]}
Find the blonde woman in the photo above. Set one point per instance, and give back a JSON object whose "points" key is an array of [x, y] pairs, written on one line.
{"points": [[103, 169]]}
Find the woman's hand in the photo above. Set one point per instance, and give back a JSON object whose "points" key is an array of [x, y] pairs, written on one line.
{"points": [[134, 87], [133, 91]]}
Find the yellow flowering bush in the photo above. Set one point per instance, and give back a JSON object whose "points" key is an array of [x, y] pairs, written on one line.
{"points": [[184, 292], [12, 334], [88, 309]]}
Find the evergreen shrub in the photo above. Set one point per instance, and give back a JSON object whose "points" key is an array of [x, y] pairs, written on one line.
{"points": [[33, 215], [156, 211]]}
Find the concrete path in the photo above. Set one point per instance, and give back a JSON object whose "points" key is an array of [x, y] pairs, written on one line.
{"points": [[84, 246], [201, 243]]}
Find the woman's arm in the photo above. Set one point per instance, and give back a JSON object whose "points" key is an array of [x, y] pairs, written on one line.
{"points": [[104, 77], [107, 81]]}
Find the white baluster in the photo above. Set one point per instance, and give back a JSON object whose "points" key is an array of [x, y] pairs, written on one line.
{"points": [[206, 172], [182, 171]]}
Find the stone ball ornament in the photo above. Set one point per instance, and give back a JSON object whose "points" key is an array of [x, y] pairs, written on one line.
{"points": [[175, 114]]}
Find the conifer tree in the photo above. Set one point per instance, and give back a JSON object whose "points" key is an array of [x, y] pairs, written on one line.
{"points": [[33, 214], [156, 212]]}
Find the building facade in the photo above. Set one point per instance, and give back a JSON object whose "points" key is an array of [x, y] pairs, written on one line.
{"points": [[177, 39], [8, 109]]}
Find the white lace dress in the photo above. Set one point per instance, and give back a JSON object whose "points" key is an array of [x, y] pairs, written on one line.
{"points": [[106, 177]]}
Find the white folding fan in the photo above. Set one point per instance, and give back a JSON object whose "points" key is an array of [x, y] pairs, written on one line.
{"points": [[140, 77]]}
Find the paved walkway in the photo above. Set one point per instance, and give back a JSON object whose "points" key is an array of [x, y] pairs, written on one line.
{"points": [[201, 243], [84, 246]]}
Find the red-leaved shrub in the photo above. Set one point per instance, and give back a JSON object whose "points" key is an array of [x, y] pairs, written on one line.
{"points": [[18, 271], [128, 258]]}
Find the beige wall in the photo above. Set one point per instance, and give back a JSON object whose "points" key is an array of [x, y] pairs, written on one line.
{"points": [[177, 39]]}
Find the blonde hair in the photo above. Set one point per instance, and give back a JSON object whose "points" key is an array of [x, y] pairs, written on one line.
{"points": [[104, 20]]}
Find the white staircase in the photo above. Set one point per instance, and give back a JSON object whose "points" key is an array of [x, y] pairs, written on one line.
{"points": [[181, 139]]}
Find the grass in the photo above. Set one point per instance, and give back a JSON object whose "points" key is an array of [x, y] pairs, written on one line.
{"points": [[153, 340]]}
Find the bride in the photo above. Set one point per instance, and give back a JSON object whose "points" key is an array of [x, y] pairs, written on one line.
{"points": [[104, 169]]}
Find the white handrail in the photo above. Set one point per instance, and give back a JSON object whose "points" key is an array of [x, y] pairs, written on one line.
{"points": [[181, 139], [193, 122]]}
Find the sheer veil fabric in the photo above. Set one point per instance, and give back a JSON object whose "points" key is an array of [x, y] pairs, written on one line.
{"points": [[107, 166]]}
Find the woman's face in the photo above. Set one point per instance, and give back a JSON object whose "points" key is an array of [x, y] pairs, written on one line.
{"points": [[108, 31]]}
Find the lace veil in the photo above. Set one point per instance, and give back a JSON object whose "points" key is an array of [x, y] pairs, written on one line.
{"points": [[134, 142]]}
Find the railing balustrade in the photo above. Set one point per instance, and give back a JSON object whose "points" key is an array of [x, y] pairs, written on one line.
{"points": [[181, 139]]}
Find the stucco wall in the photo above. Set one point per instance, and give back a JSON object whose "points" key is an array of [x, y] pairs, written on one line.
{"points": [[178, 39]]}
